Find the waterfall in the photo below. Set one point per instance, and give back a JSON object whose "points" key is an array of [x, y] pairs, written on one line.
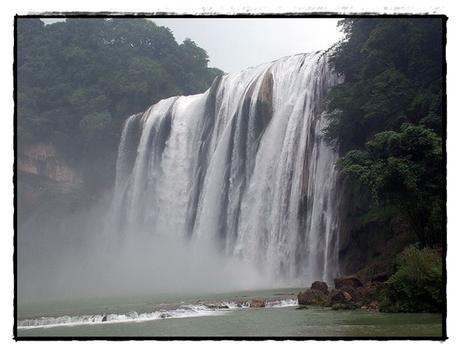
{"points": [[242, 166]]}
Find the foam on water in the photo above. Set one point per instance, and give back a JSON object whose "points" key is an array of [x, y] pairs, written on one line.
{"points": [[184, 311]]}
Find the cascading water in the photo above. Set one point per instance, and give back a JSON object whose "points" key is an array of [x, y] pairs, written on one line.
{"points": [[242, 166]]}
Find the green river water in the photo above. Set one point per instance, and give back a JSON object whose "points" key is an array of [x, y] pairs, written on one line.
{"points": [[185, 316]]}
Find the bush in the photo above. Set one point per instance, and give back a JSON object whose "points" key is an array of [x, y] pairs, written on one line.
{"points": [[416, 285]]}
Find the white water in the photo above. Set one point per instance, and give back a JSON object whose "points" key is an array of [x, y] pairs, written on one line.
{"points": [[184, 311], [241, 170]]}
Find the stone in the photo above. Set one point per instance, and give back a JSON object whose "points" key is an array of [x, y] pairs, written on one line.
{"points": [[356, 293], [320, 286], [351, 281], [339, 296], [302, 307], [372, 306], [343, 306], [311, 297], [217, 306], [257, 303]]}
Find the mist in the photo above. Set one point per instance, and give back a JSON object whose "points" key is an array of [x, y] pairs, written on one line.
{"points": [[72, 257]]}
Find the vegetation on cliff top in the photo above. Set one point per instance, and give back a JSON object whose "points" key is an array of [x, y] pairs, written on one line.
{"points": [[386, 121], [386, 118], [79, 79]]}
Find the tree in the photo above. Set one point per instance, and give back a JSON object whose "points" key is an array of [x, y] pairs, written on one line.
{"points": [[385, 118], [79, 79]]}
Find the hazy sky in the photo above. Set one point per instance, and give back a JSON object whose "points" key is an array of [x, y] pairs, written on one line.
{"points": [[234, 44]]}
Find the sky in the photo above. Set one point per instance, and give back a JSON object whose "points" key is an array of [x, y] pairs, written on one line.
{"points": [[234, 44]]}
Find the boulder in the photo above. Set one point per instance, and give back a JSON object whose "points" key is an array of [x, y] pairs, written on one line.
{"points": [[343, 306], [311, 297], [320, 286], [339, 296], [357, 294], [257, 303], [351, 281]]}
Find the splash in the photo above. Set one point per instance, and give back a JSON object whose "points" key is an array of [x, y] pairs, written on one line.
{"points": [[241, 170]]}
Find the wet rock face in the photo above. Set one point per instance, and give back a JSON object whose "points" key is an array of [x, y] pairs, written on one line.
{"points": [[348, 281], [320, 286], [264, 104], [44, 177], [43, 160]]}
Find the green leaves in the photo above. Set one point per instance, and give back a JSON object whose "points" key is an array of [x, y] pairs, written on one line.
{"points": [[416, 284], [79, 79], [385, 118], [403, 170], [95, 122]]}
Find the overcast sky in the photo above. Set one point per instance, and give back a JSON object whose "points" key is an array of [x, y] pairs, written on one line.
{"points": [[234, 44]]}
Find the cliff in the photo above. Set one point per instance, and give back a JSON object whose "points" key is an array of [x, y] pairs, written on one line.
{"points": [[43, 177]]}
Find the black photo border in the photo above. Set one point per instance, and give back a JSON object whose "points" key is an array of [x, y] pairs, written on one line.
{"points": [[288, 15]]}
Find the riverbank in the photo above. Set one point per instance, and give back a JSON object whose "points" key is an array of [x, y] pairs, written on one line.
{"points": [[219, 315]]}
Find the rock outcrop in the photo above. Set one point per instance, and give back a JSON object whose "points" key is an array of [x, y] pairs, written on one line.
{"points": [[320, 286], [339, 296], [315, 295], [349, 293], [311, 297], [43, 160], [43, 175]]}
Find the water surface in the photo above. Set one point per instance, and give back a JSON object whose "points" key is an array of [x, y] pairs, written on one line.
{"points": [[173, 316]]}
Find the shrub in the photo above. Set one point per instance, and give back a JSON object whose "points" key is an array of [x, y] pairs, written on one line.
{"points": [[416, 285]]}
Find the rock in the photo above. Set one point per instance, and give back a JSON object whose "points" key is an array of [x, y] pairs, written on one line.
{"points": [[217, 306], [343, 306], [372, 306], [257, 303], [104, 318], [351, 281], [242, 304], [356, 293], [302, 307], [311, 297], [320, 286], [339, 296], [43, 160]]}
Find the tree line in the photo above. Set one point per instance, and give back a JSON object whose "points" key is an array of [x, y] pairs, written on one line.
{"points": [[79, 79], [386, 120]]}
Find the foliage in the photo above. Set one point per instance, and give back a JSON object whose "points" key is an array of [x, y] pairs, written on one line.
{"points": [[416, 284], [385, 118], [78, 80]]}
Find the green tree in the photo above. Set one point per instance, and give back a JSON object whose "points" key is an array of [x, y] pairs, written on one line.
{"points": [[385, 118], [79, 79]]}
